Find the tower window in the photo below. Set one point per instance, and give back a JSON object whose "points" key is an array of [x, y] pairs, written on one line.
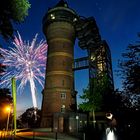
{"points": [[63, 108], [63, 95], [52, 16]]}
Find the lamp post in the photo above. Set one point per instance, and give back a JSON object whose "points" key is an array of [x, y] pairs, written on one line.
{"points": [[77, 119], [8, 110], [109, 116], [94, 121], [112, 120]]}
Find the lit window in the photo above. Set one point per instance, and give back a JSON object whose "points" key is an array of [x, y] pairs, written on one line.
{"points": [[75, 19], [52, 16], [63, 95], [100, 66], [63, 108], [92, 58]]}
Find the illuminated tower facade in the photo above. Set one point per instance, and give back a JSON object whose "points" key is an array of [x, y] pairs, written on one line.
{"points": [[104, 63], [59, 94]]}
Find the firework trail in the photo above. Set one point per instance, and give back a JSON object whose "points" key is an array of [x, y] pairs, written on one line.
{"points": [[26, 62]]}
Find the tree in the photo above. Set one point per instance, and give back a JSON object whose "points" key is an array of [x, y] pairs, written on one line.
{"points": [[5, 100], [12, 11], [92, 101], [31, 117], [129, 70], [130, 73], [98, 98]]}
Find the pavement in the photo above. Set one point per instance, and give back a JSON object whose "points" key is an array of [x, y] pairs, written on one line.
{"points": [[46, 136], [39, 134]]}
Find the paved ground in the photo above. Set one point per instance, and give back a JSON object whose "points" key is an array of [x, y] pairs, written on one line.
{"points": [[38, 134], [46, 136]]}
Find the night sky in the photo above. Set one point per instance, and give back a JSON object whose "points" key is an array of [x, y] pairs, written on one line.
{"points": [[118, 22]]}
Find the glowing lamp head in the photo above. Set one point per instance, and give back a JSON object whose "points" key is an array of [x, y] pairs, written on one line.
{"points": [[109, 116], [7, 109]]}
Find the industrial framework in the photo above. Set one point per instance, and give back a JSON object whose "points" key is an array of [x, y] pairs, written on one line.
{"points": [[99, 55]]}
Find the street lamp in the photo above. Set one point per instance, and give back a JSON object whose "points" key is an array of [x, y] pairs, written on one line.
{"points": [[109, 116], [77, 119], [112, 120], [8, 110], [110, 135], [94, 120]]}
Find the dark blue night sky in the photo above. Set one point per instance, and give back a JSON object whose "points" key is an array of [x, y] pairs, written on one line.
{"points": [[118, 22]]}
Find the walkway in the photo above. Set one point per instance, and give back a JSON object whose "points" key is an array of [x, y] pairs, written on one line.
{"points": [[37, 134], [45, 136]]}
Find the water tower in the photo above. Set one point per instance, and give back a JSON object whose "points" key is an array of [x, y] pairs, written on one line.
{"points": [[59, 94]]}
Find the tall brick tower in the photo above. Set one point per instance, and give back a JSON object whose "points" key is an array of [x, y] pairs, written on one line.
{"points": [[59, 94]]}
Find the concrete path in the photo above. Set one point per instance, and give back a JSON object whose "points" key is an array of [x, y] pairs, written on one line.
{"points": [[45, 136]]}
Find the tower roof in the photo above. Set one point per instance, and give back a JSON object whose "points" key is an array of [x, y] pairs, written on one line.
{"points": [[62, 3]]}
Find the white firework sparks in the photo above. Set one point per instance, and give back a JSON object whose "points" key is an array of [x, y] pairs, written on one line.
{"points": [[26, 62]]}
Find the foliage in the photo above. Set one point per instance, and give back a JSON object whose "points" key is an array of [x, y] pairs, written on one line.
{"points": [[130, 68], [5, 100], [94, 98], [5, 95], [19, 9], [130, 73], [29, 117], [129, 111], [12, 11]]}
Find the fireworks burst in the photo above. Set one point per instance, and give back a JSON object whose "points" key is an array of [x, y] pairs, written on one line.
{"points": [[26, 62]]}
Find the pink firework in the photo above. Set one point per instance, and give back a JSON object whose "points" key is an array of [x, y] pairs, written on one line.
{"points": [[27, 63]]}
